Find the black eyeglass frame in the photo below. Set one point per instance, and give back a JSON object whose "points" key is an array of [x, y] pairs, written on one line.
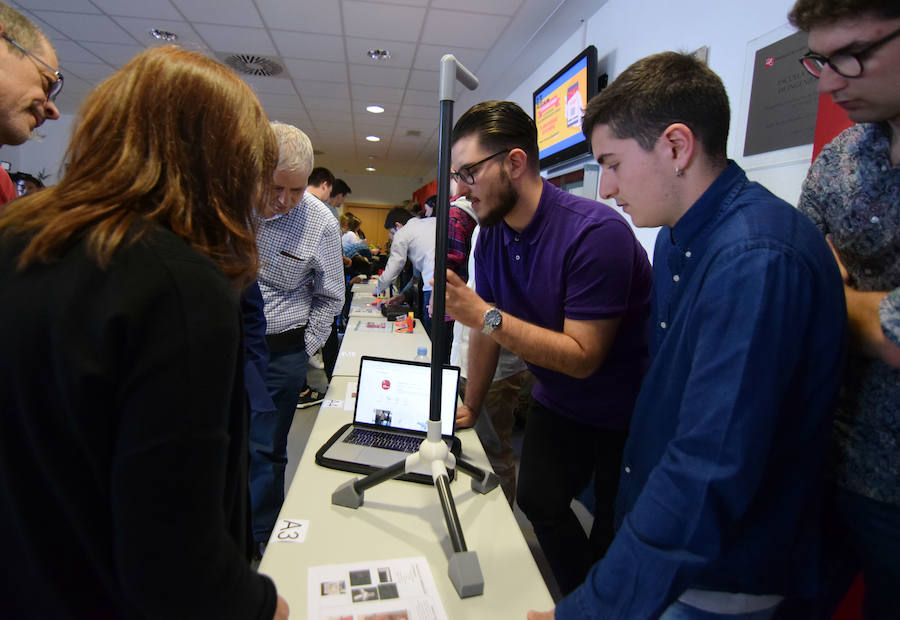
{"points": [[816, 71], [54, 88], [465, 172]]}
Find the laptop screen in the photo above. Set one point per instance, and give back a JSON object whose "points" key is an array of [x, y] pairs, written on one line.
{"points": [[395, 393]]}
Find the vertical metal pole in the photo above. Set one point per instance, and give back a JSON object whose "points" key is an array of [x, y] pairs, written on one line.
{"points": [[438, 326]]}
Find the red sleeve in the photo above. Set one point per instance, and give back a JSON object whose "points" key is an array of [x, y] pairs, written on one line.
{"points": [[8, 189]]}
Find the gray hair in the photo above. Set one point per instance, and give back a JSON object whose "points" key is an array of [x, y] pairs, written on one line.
{"points": [[20, 28], [295, 151]]}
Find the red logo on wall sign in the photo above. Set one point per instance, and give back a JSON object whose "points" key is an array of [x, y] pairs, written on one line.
{"points": [[770, 61], [386, 384]]}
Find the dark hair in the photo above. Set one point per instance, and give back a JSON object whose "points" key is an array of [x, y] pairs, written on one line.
{"points": [[657, 91], [808, 14], [134, 159], [320, 175], [499, 125], [20, 28], [25, 177], [339, 186], [395, 216]]}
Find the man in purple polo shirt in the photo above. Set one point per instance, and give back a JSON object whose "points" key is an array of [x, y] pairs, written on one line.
{"points": [[561, 282]]}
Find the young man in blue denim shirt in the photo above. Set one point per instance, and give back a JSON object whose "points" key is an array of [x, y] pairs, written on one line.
{"points": [[718, 507]]}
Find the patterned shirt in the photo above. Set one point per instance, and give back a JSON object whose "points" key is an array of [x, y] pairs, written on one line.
{"points": [[302, 275], [852, 192], [460, 226]]}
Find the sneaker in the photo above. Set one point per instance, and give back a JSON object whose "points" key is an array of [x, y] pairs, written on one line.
{"points": [[309, 398]]}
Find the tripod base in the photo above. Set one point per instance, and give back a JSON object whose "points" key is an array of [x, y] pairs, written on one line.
{"points": [[465, 574], [347, 496]]}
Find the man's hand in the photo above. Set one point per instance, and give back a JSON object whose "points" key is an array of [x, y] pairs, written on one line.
{"points": [[540, 615], [464, 304], [863, 319], [281, 610], [465, 417]]}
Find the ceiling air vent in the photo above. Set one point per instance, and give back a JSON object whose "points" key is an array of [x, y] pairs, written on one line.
{"points": [[251, 64], [413, 133]]}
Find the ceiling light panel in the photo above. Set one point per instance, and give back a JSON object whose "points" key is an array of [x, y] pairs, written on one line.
{"points": [[321, 16], [237, 40], [158, 9], [380, 94], [76, 6], [498, 7], [444, 27], [331, 90], [318, 70], [378, 75], [309, 46], [116, 54], [82, 27], [226, 12], [386, 22], [424, 80]]}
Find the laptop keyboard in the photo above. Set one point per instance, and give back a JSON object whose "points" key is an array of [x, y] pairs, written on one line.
{"points": [[388, 441]]}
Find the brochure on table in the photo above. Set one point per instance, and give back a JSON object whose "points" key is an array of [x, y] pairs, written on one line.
{"points": [[397, 589]]}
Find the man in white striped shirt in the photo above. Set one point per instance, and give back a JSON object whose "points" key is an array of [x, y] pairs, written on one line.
{"points": [[301, 277]]}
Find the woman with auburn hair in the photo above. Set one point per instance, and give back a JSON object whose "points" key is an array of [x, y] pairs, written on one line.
{"points": [[122, 411]]}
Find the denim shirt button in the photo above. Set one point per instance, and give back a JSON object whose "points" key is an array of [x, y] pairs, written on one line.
{"points": [[627, 469]]}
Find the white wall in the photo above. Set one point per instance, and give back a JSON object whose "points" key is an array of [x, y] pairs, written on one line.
{"points": [[624, 31], [383, 190]]}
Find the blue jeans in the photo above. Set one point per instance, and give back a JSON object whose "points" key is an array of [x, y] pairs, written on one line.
{"points": [[680, 611], [268, 439]]}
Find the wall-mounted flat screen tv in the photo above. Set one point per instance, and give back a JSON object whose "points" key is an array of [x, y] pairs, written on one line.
{"points": [[559, 107]]}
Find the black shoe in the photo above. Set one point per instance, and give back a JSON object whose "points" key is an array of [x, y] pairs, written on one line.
{"points": [[309, 398]]}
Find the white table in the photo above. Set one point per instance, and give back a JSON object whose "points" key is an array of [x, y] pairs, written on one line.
{"points": [[362, 306], [367, 287], [358, 342], [403, 519]]}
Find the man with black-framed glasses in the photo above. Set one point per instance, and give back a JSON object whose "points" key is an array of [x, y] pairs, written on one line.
{"points": [[28, 84], [561, 282], [852, 193]]}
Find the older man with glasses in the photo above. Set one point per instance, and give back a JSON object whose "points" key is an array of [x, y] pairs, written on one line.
{"points": [[852, 193], [29, 83]]}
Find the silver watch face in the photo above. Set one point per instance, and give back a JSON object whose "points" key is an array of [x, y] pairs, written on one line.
{"points": [[492, 320]]}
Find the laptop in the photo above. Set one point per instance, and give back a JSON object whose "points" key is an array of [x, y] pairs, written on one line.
{"points": [[390, 419]]}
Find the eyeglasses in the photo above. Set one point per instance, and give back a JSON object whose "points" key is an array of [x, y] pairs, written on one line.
{"points": [[846, 64], [467, 173], [55, 86]]}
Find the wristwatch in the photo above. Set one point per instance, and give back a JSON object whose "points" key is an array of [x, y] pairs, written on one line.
{"points": [[493, 319]]}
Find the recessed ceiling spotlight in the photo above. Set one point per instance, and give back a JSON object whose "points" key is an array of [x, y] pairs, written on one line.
{"points": [[162, 35], [374, 109], [370, 169], [378, 54], [373, 138]]}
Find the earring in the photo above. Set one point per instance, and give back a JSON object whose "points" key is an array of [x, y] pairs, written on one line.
{"points": [[679, 172]]}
